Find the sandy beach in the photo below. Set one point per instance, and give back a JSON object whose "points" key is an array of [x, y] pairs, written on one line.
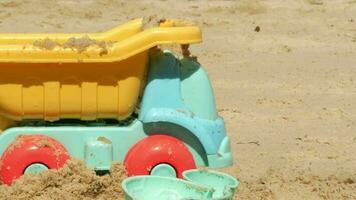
{"points": [[284, 75]]}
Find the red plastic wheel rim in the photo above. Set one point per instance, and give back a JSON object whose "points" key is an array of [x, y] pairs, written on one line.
{"points": [[30, 149], [158, 149]]}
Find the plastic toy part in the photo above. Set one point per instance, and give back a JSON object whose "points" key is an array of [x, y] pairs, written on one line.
{"points": [[118, 33], [198, 184], [85, 76], [55, 48], [163, 188], [55, 91], [35, 168], [164, 170], [156, 150], [223, 184], [99, 153], [32, 153], [177, 107]]}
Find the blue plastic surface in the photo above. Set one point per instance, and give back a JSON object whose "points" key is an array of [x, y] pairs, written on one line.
{"points": [[163, 101], [163, 188], [223, 184], [198, 185]]}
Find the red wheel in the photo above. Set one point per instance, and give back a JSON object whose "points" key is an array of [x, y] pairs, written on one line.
{"points": [[28, 150], [155, 150]]}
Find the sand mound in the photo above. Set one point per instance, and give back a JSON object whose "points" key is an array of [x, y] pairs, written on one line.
{"points": [[74, 181]]}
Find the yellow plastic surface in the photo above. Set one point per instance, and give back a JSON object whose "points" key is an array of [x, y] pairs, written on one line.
{"points": [[115, 34], [102, 79]]}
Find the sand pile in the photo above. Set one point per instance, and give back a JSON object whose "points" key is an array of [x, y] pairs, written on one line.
{"points": [[74, 181]]}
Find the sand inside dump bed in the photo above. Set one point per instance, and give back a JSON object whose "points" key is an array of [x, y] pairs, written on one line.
{"points": [[78, 44], [74, 181]]}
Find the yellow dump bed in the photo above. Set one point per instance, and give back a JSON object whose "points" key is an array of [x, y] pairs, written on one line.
{"points": [[80, 76]]}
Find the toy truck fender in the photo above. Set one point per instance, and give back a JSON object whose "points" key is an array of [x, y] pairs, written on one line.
{"points": [[178, 91]]}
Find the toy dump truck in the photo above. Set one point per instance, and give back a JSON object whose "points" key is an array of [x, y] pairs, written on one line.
{"points": [[107, 97]]}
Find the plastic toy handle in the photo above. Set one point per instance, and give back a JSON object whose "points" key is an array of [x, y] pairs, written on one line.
{"points": [[181, 35], [153, 37], [183, 29], [129, 43]]}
